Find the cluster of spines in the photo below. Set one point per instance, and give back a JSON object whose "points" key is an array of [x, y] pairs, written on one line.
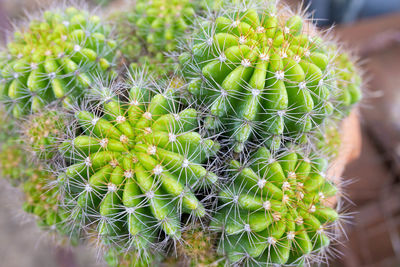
{"points": [[53, 58], [274, 209], [135, 168], [262, 75]]}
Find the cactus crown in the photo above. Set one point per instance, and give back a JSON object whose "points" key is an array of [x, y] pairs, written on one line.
{"points": [[264, 74], [52, 58], [136, 167], [273, 208]]}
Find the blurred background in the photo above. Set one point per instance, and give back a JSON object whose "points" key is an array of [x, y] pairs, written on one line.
{"points": [[370, 28]]}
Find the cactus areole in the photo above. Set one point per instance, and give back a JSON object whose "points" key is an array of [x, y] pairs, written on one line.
{"points": [[262, 74]]}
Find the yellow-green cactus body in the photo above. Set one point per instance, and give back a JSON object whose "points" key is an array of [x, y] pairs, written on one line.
{"points": [[43, 131], [262, 74], [273, 209], [152, 29], [53, 58], [137, 166]]}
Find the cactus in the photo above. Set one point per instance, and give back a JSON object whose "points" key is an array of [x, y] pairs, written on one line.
{"points": [[349, 81], [43, 131], [262, 73], [14, 163], [136, 167], [151, 29], [116, 258], [274, 209], [54, 58], [43, 199], [7, 126], [197, 249]]}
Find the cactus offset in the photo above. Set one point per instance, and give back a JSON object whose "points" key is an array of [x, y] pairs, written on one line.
{"points": [[117, 258], [54, 58], [152, 29], [43, 199], [273, 210], [14, 163], [265, 74], [136, 167], [43, 131]]}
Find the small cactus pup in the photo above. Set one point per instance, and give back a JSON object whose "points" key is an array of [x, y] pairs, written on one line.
{"points": [[137, 166], [54, 57], [7, 126], [274, 209], [349, 82], [14, 163], [43, 131], [116, 257], [196, 249], [262, 72], [43, 199], [149, 30]]}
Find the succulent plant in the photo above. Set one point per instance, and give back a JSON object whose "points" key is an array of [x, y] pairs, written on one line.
{"points": [[14, 163], [43, 131], [263, 73], [349, 81], [136, 167], [52, 58], [149, 30], [7, 126], [117, 258], [43, 199], [274, 209], [197, 249]]}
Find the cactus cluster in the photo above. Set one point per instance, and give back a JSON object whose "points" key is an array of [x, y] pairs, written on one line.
{"points": [[53, 58], [136, 167], [222, 165], [263, 74]]}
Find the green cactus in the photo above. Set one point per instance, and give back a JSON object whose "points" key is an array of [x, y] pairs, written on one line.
{"points": [[43, 199], [7, 126], [262, 74], [197, 249], [117, 258], [52, 58], [43, 131], [151, 29], [136, 167], [349, 81], [14, 163], [273, 209]]}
